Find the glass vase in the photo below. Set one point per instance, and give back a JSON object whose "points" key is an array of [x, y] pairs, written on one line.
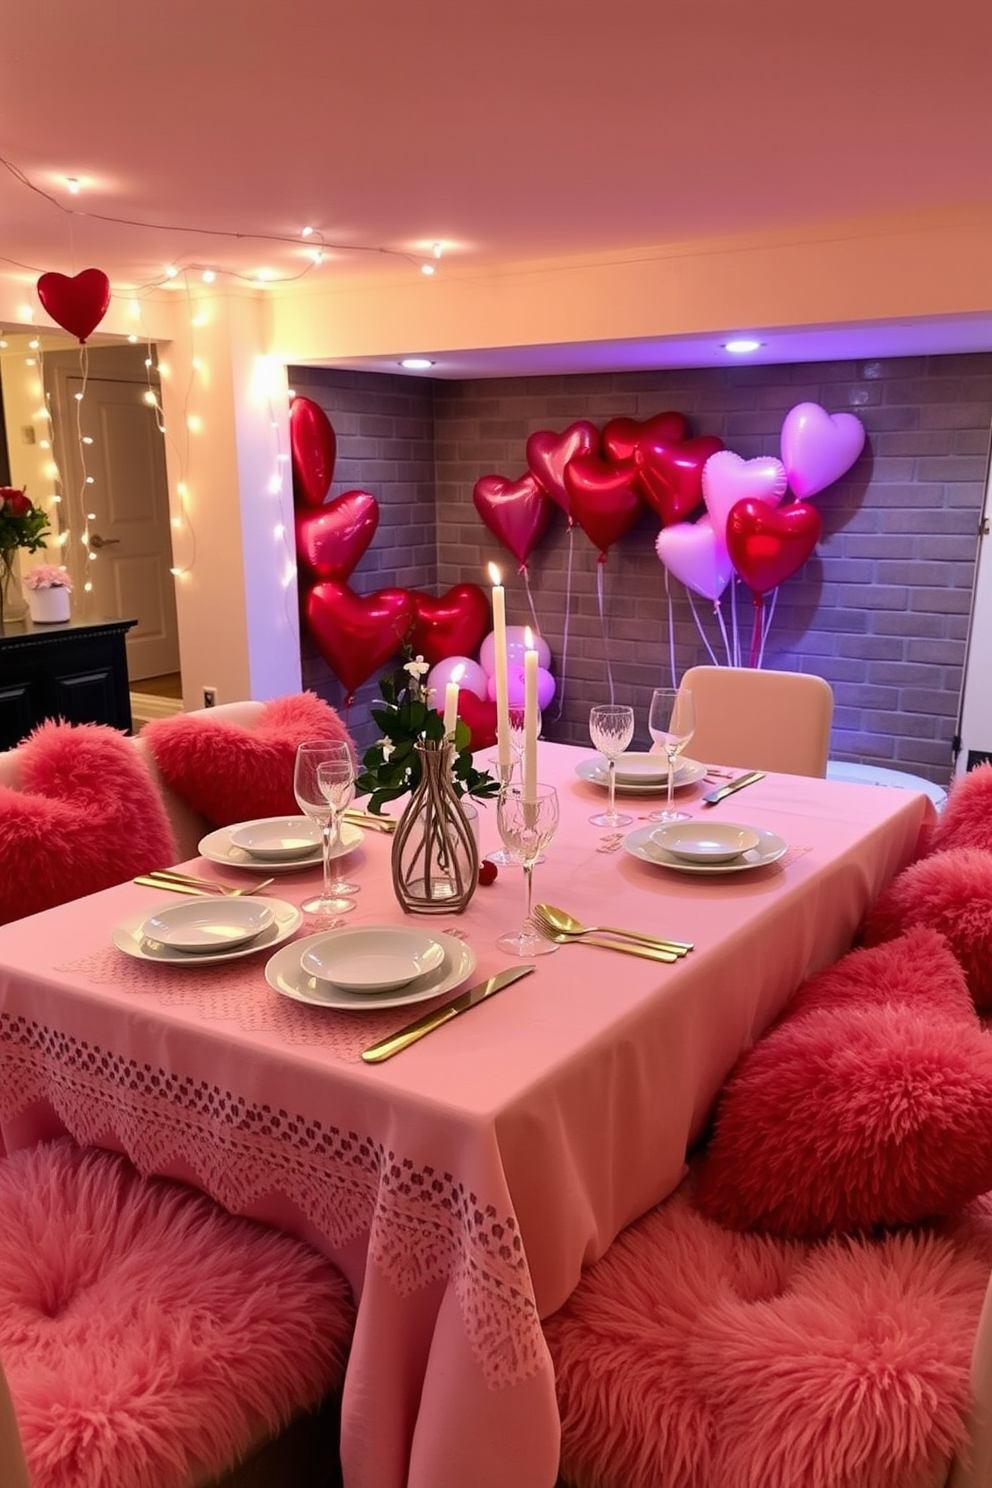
{"points": [[435, 860], [13, 605]]}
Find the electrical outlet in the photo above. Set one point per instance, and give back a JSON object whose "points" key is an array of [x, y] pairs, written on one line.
{"points": [[210, 697]]}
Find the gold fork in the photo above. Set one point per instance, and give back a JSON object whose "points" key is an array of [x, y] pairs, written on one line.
{"points": [[189, 883], [558, 923]]}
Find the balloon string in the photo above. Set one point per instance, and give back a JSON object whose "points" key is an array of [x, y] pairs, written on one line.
{"points": [[699, 626], [671, 628], [766, 625], [756, 631], [568, 608], [602, 623], [530, 598], [735, 622], [718, 611]]}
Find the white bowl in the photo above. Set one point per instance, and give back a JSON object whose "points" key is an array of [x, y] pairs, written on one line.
{"points": [[641, 766], [278, 838], [376, 958], [211, 923], [706, 842]]}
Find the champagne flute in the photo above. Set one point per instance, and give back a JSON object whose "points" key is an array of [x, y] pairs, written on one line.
{"points": [[525, 827], [611, 728], [323, 804], [671, 723]]}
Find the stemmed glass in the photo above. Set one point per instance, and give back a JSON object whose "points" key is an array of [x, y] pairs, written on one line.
{"points": [[526, 827], [611, 728], [671, 723], [516, 742], [324, 783]]}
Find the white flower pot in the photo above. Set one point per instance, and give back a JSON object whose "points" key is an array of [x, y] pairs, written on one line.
{"points": [[48, 606]]}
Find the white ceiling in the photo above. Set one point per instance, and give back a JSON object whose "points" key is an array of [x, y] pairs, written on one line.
{"points": [[208, 133]]}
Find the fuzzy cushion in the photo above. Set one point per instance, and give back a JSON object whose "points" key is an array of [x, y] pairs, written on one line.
{"points": [[230, 773], [696, 1357], [950, 892], [918, 970], [843, 1119], [966, 820], [141, 1325], [87, 816]]}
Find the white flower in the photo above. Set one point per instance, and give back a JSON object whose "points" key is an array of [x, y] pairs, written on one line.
{"points": [[417, 668], [387, 749]]}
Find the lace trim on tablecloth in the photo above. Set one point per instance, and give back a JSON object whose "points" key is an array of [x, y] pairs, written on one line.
{"points": [[423, 1225]]}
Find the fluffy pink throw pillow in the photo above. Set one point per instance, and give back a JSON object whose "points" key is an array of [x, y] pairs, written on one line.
{"points": [[693, 1356], [230, 773], [950, 892], [918, 970], [87, 816], [142, 1326], [844, 1119], [966, 820]]}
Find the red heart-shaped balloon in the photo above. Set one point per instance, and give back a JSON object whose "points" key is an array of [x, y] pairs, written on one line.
{"points": [[329, 542], [79, 304], [623, 438], [548, 454], [480, 715], [357, 633], [670, 477], [314, 449], [516, 511], [768, 544], [453, 625], [604, 499]]}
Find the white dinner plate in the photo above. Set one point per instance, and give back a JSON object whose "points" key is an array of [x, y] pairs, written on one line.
{"points": [[218, 848], [706, 841], [129, 937], [285, 975], [687, 772], [278, 838], [634, 767], [372, 958], [216, 922], [642, 844]]}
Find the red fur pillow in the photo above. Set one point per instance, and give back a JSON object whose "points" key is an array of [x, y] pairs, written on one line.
{"points": [[966, 820], [918, 970], [87, 816], [950, 892], [838, 1120], [230, 773]]}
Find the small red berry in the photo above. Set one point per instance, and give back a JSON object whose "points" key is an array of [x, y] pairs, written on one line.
{"points": [[487, 871]]}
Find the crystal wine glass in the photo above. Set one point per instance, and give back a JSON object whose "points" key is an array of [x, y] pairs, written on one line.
{"points": [[671, 723], [611, 728], [324, 783], [526, 827]]}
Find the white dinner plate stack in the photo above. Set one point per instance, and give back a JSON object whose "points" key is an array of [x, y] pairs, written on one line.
{"points": [[369, 967], [208, 929]]}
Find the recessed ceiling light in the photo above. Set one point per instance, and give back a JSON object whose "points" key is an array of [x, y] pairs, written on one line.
{"points": [[742, 346], [416, 364]]}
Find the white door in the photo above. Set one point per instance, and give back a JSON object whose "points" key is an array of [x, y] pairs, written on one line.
{"points": [[124, 501]]}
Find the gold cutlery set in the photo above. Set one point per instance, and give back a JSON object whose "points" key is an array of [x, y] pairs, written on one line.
{"points": [[188, 883], [564, 929]]}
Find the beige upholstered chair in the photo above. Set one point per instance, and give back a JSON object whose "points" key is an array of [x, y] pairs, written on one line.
{"points": [[751, 719]]}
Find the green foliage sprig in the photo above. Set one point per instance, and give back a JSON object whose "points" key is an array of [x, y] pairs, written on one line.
{"points": [[392, 766]]}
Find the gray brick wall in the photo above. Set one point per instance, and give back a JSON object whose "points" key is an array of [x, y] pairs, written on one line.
{"points": [[881, 609]]}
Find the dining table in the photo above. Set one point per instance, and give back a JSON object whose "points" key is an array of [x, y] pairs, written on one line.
{"points": [[462, 1185]]}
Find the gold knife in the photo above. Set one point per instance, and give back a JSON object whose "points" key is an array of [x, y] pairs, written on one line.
{"points": [[711, 797], [386, 1048]]}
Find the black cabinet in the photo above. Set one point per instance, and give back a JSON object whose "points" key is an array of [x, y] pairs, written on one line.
{"points": [[76, 671]]}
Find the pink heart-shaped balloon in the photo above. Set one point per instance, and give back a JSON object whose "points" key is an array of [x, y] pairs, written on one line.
{"points": [[314, 449], [768, 544], [694, 554], [818, 447], [453, 625], [79, 304], [670, 477], [624, 438], [517, 512], [357, 633], [727, 479], [330, 542], [604, 498], [548, 454]]}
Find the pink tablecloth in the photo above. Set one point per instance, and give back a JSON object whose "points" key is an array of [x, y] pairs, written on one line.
{"points": [[462, 1185]]}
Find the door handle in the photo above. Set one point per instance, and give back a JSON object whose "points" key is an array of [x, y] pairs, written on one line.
{"points": [[96, 541]]}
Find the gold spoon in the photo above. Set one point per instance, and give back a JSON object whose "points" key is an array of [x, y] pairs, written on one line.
{"points": [[566, 924], [628, 948]]}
